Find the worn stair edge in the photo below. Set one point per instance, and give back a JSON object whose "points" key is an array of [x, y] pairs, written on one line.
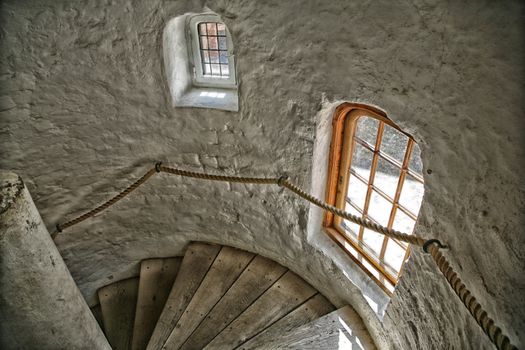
{"points": [[310, 310], [117, 302], [225, 270], [340, 329], [196, 262], [258, 276], [284, 296], [156, 279]]}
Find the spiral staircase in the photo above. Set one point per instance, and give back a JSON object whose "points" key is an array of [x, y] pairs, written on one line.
{"points": [[219, 297]]}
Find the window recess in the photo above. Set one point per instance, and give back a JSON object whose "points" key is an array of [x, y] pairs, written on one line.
{"points": [[375, 173], [199, 62]]}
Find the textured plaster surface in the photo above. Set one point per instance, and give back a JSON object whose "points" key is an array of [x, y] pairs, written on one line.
{"points": [[40, 304], [177, 55], [85, 109]]}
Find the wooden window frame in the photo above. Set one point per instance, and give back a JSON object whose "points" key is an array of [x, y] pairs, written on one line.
{"points": [[344, 126]]}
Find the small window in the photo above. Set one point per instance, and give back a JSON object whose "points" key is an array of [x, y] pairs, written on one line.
{"points": [[213, 50], [199, 63], [375, 173], [212, 47]]}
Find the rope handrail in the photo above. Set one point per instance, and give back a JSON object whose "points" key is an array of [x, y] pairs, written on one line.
{"points": [[430, 246]]}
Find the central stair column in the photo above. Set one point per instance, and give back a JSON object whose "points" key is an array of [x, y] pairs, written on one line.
{"points": [[41, 307]]}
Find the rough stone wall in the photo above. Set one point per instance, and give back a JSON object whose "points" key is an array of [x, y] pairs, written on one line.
{"points": [[84, 108]]}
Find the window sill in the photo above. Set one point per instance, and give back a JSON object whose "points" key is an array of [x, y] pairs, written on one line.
{"points": [[346, 246], [202, 97]]}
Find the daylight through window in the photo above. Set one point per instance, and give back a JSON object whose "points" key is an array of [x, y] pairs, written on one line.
{"points": [[376, 173], [213, 47]]}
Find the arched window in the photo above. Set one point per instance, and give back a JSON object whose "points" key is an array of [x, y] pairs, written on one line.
{"points": [[376, 173]]}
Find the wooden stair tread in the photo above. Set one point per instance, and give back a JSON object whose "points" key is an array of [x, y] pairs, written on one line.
{"points": [[282, 297], [258, 276], [226, 268], [220, 297], [340, 329], [310, 310], [156, 279], [117, 303], [195, 264]]}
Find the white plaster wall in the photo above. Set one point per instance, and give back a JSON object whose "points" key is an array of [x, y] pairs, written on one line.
{"points": [[84, 106]]}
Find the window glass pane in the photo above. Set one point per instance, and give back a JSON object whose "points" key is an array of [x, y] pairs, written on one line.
{"points": [[223, 56], [215, 69], [415, 164], [374, 241], [367, 129], [379, 208], [387, 177], [205, 56], [362, 161], [394, 255], [357, 191], [412, 194], [222, 28], [351, 229], [394, 143], [207, 69], [403, 222], [350, 226], [212, 29], [214, 56], [202, 28], [212, 41], [204, 43], [225, 70], [222, 43]]}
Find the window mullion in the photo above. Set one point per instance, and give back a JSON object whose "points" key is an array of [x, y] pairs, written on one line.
{"points": [[218, 48], [373, 169], [402, 176]]}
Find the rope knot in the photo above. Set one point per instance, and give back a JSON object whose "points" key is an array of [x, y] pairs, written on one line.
{"points": [[157, 166], [430, 242], [281, 180]]}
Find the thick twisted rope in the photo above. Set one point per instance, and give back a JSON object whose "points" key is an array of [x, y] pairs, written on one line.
{"points": [[105, 205], [431, 246], [391, 233], [486, 323]]}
